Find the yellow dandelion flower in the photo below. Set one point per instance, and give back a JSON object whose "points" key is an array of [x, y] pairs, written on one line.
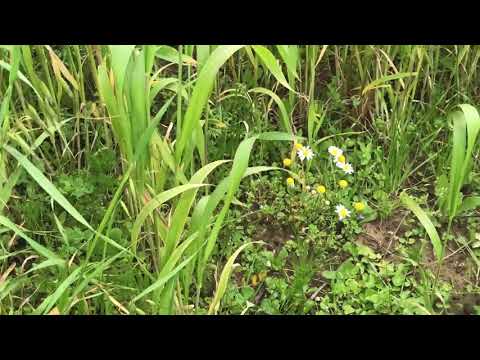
{"points": [[298, 146], [359, 206], [287, 162], [341, 159], [290, 182], [321, 189], [343, 184]]}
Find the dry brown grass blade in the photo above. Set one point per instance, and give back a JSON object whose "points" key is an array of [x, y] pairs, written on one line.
{"points": [[60, 68], [54, 311], [120, 307], [4, 276]]}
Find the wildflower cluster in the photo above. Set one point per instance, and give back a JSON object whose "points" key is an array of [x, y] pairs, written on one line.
{"points": [[305, 153], [340, 160]]}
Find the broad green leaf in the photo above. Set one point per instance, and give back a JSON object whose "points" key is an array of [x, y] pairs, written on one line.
{"points": [[426, 222], [120, 58], [165, 83], [458, 158], [200, 94], [380, 82], [272, 65], [289, 54], [466, 126], [121, 127], [170, 54], [203, 52]]}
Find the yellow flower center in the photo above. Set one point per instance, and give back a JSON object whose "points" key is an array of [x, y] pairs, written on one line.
{"points": [[334, 152], [290, 181], [359, 206], [343, 213], [305, 152], [298, 146], [343, 184], [341, 159], [287, 162], [321, 189]]}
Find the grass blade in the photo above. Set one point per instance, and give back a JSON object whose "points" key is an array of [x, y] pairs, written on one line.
{"points": [[272, 65], [285, 119], [47, 185], [200, 94], [224, 277], [157, 201], [42, 250], [426, 222], [51, 300]]}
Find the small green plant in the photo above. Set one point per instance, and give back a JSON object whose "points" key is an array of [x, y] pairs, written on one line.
{"points": [[366, 284], [466, 126]]}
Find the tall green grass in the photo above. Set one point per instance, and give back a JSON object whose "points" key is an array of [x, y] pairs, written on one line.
{"points": [[154, 104]]}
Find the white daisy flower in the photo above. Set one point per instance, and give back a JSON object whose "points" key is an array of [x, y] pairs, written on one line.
{"points": [[347, 168], [342, 212], [305, 153], [335, 151]]}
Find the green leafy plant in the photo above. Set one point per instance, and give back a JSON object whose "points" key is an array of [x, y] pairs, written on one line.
{"points": [[466, 126]]}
